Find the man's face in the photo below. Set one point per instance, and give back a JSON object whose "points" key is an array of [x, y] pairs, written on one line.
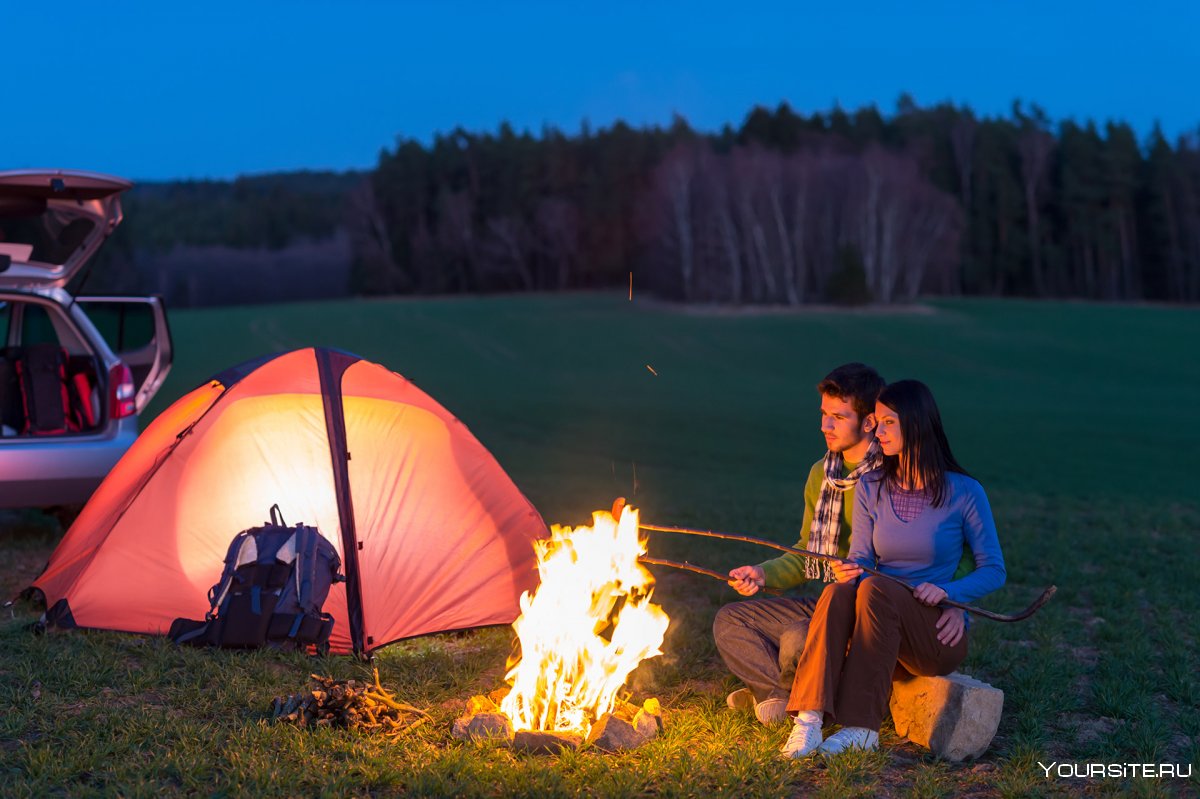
{"points": [[840, 424]]}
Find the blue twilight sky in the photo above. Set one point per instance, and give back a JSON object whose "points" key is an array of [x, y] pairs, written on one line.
{"points": [[155, 90]]}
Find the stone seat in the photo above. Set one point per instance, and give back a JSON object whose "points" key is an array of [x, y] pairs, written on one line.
{"points": [[955, 716]]}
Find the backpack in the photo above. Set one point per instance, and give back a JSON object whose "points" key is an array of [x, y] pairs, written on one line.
{"points": [[271, 591], [42, 371]]}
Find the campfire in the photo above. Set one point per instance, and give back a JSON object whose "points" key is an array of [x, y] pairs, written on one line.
{"points": [[586, 627]]}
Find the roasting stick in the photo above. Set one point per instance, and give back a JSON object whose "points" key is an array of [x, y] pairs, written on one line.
{"points": [[697, 569], [987, 614]]}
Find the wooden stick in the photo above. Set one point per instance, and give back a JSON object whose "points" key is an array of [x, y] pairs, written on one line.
{"points": [[987, 614], [697, 569]]}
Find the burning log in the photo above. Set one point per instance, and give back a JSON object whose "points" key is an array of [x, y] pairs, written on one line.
{"points": [[628, 726], [349, 704]]}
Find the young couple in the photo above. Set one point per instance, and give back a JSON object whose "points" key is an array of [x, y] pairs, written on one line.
{"points": [[888, 495]]}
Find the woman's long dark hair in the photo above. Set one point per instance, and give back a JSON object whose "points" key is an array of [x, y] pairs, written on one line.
{"points": [[927, 455]]}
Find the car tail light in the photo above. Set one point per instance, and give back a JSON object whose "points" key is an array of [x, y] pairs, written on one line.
{"points": [[120, 381]]}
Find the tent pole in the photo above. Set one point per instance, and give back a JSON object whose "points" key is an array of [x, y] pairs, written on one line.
{"points": [[335, 426]]}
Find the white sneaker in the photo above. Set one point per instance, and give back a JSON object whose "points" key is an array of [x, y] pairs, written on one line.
{"points": [[805, 736], [850, 738], [768, 712], [741, 699], [771, 712]]}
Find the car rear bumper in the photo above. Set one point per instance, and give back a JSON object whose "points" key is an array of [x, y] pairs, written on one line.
{"points": [[60, 470]]}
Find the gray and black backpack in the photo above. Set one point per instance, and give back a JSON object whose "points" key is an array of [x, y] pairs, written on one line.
{"points": [[275, 582]]}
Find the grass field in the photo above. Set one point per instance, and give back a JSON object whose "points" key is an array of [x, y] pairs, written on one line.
{"points": [[1075, 417]]}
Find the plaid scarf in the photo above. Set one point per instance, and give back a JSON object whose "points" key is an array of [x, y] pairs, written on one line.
{"points": [[827, 515]]}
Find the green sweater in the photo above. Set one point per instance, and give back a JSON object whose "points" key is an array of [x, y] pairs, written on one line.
{"points": [[787, 571]]}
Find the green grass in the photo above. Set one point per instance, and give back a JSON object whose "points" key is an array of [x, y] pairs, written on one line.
{"points": [[1074, 416]]}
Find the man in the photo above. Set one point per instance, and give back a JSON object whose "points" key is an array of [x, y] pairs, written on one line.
{"points": [[761, 640]]}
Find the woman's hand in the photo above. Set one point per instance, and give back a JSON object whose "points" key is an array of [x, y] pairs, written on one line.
{"points": [[950, 626], [746, 580], [845, 570], [929, 594]]}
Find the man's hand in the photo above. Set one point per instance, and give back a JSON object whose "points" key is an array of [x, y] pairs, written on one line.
{"points": [[951, 625], [746, 580], [929, 594], [844, 571]]}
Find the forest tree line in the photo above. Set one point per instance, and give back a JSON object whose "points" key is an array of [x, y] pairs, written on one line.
{"points": [[839, 206]]}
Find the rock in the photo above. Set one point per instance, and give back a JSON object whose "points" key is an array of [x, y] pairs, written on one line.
{"points": [[628, 726], [955, 716], [483, 727], [612, 733], [545, 743], [459, 728], [490, 727], [653, 708]]}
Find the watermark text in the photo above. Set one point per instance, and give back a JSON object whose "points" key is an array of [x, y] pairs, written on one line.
{"points": [[1116, 770]]}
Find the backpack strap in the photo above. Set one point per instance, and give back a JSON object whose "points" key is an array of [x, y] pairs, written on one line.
{"points": [[242, 549], [277, 516], [307, 539]]}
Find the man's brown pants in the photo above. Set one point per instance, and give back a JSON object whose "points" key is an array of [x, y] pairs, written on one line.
{"points": [[859, 634]]}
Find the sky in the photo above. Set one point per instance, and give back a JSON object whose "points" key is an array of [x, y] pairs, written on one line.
{"points": [[163, 90]]}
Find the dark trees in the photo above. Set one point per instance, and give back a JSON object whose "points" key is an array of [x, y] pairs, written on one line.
{"points": [[785, 209]]}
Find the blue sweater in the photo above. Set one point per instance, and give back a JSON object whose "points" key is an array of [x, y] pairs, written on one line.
{"points": [[929, 548]]}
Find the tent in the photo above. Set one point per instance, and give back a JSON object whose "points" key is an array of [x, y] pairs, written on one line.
{"points": [[433, 535]]}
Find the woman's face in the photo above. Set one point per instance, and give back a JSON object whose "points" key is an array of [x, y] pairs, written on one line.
{"points": [[887, 429]]}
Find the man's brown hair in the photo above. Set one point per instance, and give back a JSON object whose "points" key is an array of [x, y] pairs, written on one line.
{"points": [[857, 383]]}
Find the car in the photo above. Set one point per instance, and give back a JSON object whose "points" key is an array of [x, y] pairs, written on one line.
{"points": [[75, 371]]}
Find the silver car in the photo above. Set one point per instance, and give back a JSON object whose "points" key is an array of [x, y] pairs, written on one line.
{"points": [[111, 354]]}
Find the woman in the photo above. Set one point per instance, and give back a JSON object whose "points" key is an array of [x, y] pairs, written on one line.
{"points": [[912, 518]]}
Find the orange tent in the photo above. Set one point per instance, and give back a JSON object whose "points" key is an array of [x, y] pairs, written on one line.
{"points": [[433, 535]]}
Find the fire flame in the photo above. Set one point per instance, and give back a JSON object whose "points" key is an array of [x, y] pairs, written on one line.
{"points": [[586, 627]]}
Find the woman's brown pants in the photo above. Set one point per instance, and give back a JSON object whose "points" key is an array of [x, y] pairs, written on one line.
{"points": [[858, 636]]}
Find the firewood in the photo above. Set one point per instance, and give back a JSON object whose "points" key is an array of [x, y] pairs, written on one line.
{"points": [[349, 704]]}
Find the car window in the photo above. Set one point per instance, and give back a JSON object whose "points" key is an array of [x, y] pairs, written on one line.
{"points": [[36, 327], [5, 317], [124, 326], [53, 234]]}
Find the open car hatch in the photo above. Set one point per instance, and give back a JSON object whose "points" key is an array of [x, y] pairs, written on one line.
{"points": [[52, 222]]}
